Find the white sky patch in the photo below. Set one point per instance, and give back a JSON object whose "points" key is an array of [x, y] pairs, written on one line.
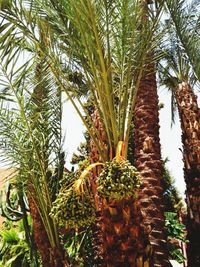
{"points": [[170, 138], [73, 129]]}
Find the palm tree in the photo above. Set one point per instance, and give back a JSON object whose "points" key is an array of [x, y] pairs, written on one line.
{"points": [[185, 18], [31, 140], [109, 43], [148, 161], [180, 75], [185, 100], [147, 156], [189, 113]]}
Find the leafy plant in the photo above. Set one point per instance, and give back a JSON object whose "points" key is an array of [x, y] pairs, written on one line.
{"points": [[14, 249], [14, 207], [176, 232], [79, 247]]}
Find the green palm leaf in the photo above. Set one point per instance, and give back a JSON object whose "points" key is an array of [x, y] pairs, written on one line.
{"points": [[107, 43]]}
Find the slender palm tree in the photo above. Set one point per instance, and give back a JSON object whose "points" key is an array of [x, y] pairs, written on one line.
{"points": [[180, 83], [33, 118], [147, 156], [180, 73], [148, 161], [189, 114]]}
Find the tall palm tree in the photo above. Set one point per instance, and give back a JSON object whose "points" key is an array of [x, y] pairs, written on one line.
{"points": [[147, 156], [176, 77], [189, 114], [148, 161], [180, 73], [118, 224], [108, 42]]}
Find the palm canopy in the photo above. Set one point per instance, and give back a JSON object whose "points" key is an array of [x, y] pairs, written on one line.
{"points": [[174, 67], [105, 42], [185, 19], [180, 48]]}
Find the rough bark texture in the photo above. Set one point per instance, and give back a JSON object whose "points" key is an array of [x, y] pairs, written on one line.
{"points": [[97, 240], [125, 242], [50, 257], [148, 162], [119, 237], [190, 123]]}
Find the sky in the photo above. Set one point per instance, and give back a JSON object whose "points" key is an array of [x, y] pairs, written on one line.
{"points": [[170, 138]]}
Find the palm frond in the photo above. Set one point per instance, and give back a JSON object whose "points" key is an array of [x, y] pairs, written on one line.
{"points": [[186, 25], [174, 67], [108, 46]]}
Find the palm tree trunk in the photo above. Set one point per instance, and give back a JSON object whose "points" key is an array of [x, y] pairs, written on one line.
{"points": [[119, 238], [97, 235], [148, 162], [27, 228], [50, 257], [39, 233], [190, 123]]}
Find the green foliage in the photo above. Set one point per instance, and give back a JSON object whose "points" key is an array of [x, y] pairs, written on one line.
{"points": [[30, 132], [176, 232], [185, 19], [174, 227], [14, 250], [118, 180], [98, 46], [5, 4], [79, 247], [10, 202], [172, 199], [176, 253], [14, 207], [173, 204]]}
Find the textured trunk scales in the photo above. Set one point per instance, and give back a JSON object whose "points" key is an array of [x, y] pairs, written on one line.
{"points": [[190, 123], [121, 239], [50, 257], [148, 162]]}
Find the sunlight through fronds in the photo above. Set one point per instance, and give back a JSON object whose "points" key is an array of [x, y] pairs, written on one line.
{"points": [[105, 42]]}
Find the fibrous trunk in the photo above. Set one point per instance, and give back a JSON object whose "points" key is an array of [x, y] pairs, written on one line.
{"points": [[50, 256], [190, 123], [148, 162], [97, 236], [121, 239]]}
